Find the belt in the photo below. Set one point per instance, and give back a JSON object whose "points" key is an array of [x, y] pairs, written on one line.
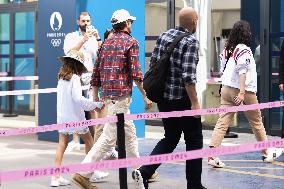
{"points": [[114, 99]]}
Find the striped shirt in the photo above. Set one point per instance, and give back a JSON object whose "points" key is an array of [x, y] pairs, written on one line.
{"points": [[184, 60], [240, 62]]}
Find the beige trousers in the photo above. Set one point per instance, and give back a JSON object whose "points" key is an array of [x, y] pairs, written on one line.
{"points": [[108, 138], [253, 116], [98, 129]]}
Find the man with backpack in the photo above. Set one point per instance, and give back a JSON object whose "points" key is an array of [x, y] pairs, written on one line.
{"points": [[179, 94]]}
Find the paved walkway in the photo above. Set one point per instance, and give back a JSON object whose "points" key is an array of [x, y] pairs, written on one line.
{"points": [[243, 171]]}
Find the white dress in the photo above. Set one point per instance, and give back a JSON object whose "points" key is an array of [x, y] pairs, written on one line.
{"points": [[71, 104]]}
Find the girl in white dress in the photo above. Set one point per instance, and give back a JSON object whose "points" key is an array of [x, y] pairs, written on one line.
{"points": [[71, 106]]}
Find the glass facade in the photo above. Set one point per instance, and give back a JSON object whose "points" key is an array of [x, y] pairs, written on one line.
{"points": [[276, 39], [17, 54], [24, 59], [4, 52], [268, 36]]}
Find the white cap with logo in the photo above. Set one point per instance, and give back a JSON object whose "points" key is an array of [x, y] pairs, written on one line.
{"points": [[121, 15]]}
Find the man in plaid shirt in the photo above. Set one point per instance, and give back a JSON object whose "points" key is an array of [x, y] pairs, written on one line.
{"points": [[117, 67], [179, 95]]}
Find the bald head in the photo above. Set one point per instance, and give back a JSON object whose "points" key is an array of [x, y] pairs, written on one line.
{"points": [[188, 18]]}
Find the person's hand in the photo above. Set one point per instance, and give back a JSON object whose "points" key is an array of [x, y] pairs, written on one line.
{"points": [[281, 87], [195, 106], [239, 99], [86, 37], [101, 105], [96, 98], [99, 109], [95, 33], [148, 103]]}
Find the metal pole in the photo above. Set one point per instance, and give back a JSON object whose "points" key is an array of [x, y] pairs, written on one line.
{"points": [[121, 150], [171, 14], [230, 135], [11, 70], [282, 129], [282, 126], [10, 100]]}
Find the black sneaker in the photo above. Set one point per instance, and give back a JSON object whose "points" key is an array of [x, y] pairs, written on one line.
{"points": [[198, 187], [202, 187], [139, 181]]}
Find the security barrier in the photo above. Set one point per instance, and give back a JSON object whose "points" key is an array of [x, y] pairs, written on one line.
{"points": [[123, 162]]}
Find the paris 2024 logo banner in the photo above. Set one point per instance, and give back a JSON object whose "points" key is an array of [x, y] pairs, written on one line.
{"points": [[56, 23]]}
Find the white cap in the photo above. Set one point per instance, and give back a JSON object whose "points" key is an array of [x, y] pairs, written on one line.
{"points": [[121, 15]]}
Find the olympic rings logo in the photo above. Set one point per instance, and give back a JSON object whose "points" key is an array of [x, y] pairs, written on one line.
{"points": [[55, 42]]}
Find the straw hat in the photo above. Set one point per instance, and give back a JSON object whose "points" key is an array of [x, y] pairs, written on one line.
{"points": [[74, 54]]}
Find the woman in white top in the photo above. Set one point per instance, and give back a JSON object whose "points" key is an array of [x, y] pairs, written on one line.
{"points": [[239, 81], [70, 107]]}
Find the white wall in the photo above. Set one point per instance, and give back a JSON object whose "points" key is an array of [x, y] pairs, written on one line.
{"points": [[156, 19], [226, 4], [224, 15]]}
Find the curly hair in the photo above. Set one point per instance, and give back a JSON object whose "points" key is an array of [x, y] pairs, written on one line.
{"points": [[240, 34]]}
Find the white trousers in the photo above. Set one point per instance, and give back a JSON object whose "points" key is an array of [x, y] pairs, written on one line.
{"points": [[107, 140]]}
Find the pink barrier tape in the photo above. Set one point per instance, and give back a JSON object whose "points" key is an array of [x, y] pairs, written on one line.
{"points": [[18, 78], [3, 74], [54, 127], [207, 111], [135, 162], [22, 131], [33, 91]]}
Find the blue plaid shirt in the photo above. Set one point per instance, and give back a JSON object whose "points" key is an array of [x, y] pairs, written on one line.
{"points": [[183, 60]]}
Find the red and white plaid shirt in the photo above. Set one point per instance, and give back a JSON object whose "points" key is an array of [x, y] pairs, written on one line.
{"points": [[117, 66]]}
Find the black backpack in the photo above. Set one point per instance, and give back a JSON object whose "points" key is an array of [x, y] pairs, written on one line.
{"points": [[155, 79]]}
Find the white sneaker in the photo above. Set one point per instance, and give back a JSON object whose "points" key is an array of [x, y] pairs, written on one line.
{"points": [[215, 162], [59, 181], [139, 181], [272, 154], [110, 155], [98, 176], [73, 146]]}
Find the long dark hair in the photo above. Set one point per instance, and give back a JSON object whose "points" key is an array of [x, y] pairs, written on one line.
{"points": [[240, 34], [70, 67], [107, 33]]}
